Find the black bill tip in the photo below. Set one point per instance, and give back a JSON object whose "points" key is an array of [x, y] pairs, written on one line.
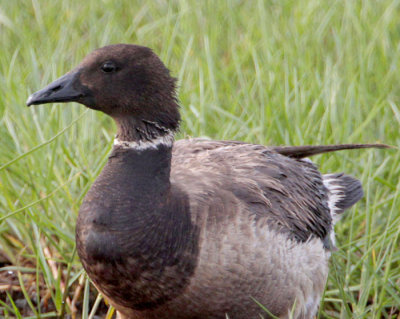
{"points": [[65, 89], [33, 99], [30, 101]]}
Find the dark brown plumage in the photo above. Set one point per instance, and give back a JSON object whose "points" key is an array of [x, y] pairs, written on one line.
{"points": [[198, 228]]}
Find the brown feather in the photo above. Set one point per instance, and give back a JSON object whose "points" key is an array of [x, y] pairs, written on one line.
{"points": [[311, 150]]}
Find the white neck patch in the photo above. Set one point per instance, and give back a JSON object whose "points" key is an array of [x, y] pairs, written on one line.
{"points": [[165, 140]]}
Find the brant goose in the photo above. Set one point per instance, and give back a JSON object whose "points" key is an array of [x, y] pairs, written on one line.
{"points": [[197, 228]]}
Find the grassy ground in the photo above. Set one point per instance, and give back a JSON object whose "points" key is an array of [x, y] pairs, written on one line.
{"points": [[270, 72]]}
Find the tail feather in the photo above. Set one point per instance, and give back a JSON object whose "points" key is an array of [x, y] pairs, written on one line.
{"points": [[310, 150], [344, 192]]}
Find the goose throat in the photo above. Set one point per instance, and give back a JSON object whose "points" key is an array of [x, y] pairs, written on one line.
{"points": [[142, 134], [143, 144]]}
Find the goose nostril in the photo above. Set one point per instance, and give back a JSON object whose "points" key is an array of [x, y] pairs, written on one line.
{"points": [[56, 88]]}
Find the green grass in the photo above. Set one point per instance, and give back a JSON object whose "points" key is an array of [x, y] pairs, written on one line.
{"points": [[270, 72]]}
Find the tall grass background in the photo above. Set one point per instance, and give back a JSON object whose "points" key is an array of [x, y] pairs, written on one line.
{"points": [[269, 72]]}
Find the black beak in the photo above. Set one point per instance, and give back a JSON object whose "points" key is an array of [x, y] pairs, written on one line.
{"points": [[65, 89]]}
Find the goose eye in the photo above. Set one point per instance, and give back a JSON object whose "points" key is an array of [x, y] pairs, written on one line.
{"points": [[109, 67]]}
